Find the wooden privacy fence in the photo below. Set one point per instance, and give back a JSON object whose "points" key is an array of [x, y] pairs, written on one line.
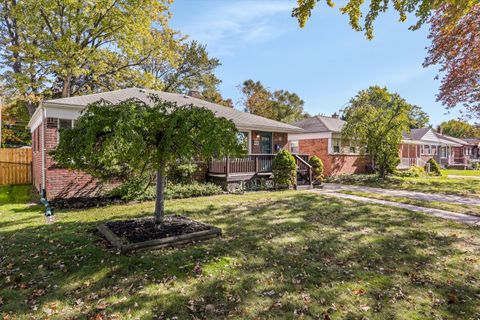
{"points": [[15, 166]]}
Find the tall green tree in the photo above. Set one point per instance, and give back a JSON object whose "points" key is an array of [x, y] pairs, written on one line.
{"points": [[52, 49], [58, 48], [280, 105], [422, 9], [459, 129], [376, 119], [125, 140], [418, 118]]}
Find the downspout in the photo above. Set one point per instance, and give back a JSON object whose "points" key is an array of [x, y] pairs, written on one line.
{"points": [[43, 194]]}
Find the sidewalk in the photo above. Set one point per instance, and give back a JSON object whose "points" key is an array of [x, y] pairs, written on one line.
{"points": [[474, 201], [332, 190]]}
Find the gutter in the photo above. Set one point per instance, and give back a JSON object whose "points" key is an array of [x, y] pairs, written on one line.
{"points": [[43, 193]]}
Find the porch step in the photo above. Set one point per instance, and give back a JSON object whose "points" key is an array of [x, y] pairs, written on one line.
{"points": [[303, 187]]}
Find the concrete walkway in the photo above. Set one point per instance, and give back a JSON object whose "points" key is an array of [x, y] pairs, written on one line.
{"points": [[459, 217], [471, 201], [456, 176]]}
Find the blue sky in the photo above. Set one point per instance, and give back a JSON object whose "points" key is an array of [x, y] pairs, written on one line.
{"points": [[325, 63]]}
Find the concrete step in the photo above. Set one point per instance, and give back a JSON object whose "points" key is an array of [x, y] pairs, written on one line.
{"points": [[303, 187]]}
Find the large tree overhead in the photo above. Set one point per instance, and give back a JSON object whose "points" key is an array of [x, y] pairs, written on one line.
{"points": [[376, 119], [280, 105], [422, 9], [456, 49], [459, 129], [52, 49], [124, 140], [418, 118]]}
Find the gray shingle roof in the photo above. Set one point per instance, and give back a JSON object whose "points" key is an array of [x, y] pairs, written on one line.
{"points": [[320, 124], [416, 134], [241, 119]]}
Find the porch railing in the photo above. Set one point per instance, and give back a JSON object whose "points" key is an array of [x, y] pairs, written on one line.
{"points": [[253, 163]]}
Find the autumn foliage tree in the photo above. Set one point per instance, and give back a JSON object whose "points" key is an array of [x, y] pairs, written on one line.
{"points": [[355, 9], [456, 49]]}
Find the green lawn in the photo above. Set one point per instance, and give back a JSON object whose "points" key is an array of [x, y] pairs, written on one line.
{"points": [[456, 186], [468, 173], [453, 207], [283, 255]]}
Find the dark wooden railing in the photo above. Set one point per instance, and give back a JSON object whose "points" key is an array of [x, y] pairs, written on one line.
{"points": [[255, 163], [304, 170]]}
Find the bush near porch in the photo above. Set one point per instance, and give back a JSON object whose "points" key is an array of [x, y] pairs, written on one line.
{"points": [[283, 255]]}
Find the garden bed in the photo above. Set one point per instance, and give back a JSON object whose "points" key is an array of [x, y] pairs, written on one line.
{"points": [[145, 233]]}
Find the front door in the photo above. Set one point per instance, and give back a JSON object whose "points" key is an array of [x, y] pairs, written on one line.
{"points": [[265, 142]]}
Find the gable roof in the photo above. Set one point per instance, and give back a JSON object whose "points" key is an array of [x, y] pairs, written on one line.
{"points": [[416, 134], [320, 124], [430, 135], [242, 120]]}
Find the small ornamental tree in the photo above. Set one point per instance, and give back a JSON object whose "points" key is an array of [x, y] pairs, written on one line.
{"points": [[317, 169], [434, 167], [125, 140], [284, 169]]}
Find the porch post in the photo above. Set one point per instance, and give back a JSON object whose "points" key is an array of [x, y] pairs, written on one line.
{"points": [[227, 166]]}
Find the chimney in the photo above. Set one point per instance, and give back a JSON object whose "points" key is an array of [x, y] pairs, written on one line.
{"points": [[440, 130], [195, 94]]}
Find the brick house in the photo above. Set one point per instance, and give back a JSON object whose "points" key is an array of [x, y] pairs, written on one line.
{"points": [[420, 145], [263, 138], [322, 137]]}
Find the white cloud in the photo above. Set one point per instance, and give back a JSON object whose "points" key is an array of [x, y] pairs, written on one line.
{"points": [[233, 25]]}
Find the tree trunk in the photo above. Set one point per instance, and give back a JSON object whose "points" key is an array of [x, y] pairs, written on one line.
{"points": [[67, 83], [159, 199]]}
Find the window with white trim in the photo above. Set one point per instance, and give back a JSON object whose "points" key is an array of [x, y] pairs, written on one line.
{"points": [[294, 147], [443, 152], [336, 145]]}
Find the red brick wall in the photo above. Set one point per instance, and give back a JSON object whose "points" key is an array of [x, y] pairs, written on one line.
{"points": [[333, 164], [63, 183], [408, 151]]}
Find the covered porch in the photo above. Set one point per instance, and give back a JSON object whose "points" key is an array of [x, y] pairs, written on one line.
{"points": [[235, 169]]}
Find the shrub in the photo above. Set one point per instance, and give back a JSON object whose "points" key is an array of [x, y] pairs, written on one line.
{"points": [[413, 172], [434, 167], [284, 169], [317, 169], [191, 190], [475, 165], [172, 191], [182, 172]]}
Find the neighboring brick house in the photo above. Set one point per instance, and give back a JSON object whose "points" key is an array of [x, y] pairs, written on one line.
{"points": [[420, 145], [322, 137], [263, 138]]}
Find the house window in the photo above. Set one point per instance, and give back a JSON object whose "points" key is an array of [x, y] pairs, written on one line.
{"points": [[336, 145], [352, 148], [242, 138], [443, 152], [64, 124], [294, 147], [426, 150]]}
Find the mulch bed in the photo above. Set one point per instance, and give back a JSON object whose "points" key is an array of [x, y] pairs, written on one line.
{"points": [[85, 202], [144, 229]]}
